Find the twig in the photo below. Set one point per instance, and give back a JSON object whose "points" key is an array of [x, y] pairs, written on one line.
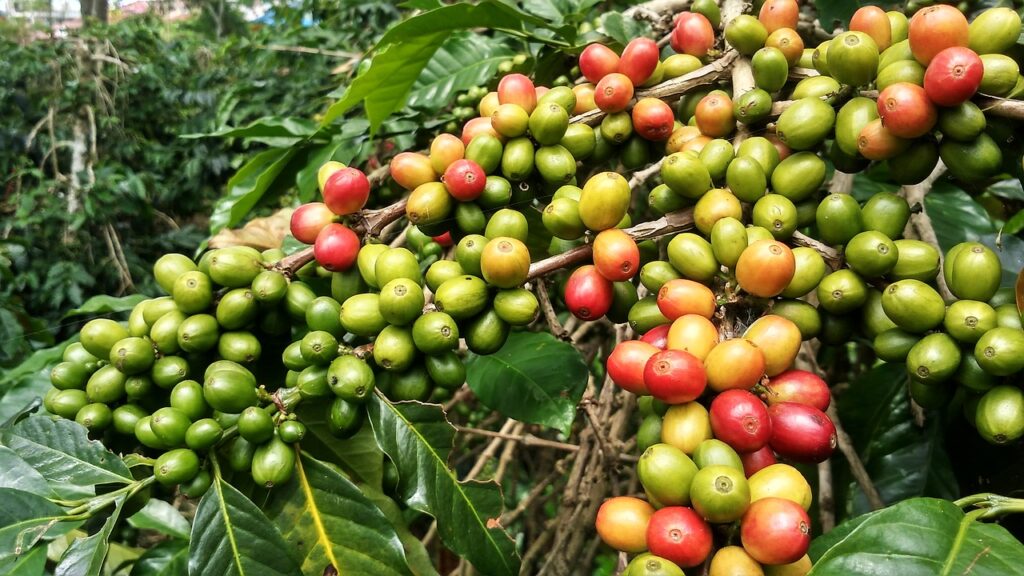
{"points": [[531, 440], [672, 89], [460, 395], [541, 290], [809, 361], [856, 464], [536, 492], [492, 448], [920, 225], [667, 224], [842, 183], [641, 176], [831, 256], [507, 453], [826, 496]]}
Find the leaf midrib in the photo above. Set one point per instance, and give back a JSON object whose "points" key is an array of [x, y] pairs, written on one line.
{"points": [[448, 472]]}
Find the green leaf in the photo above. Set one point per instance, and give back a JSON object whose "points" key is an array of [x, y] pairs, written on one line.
{"points": [[419, 439], [85, 556], [518, 381], [25, 519], [622, 29], [923, 536], [248, 186], [16, 473], [168, 558], [955, 216], [1015, 224], [465, 60], [162, 517], [555, 11], [359, 455], [232, 537], [39, 360], [406, 48], [415, 552], [329, 522], [903, 460], [1010, 188], [61, 452], [275, 131], [106, 305], [31, 564], [836, 12]]}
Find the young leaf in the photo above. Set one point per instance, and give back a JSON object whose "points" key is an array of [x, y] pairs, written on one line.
{"points": [[903, 460], [232, 537], [517, 380], [922, 536], [25, 519], [329, 522], [85, 556], [62, 453], [419, 439], [161, 517]]}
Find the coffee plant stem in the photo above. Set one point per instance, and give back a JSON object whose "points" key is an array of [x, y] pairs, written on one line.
{"points": [[541, 290], [93, 505], [529, 439], [860, 473]]}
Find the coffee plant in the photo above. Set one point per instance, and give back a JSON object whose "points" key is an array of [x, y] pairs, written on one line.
{"points": [[690, 287]]}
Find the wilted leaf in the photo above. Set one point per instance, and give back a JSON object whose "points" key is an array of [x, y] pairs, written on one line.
{"points": [[259, 233]]}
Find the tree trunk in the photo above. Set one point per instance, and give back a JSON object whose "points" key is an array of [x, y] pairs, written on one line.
{"points": [[97, 10]]}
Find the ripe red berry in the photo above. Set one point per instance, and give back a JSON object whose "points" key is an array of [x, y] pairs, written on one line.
{"points": [[336, 247], [346, 191], [309, 219], [740, 419], [675, 376], [465, 180]]}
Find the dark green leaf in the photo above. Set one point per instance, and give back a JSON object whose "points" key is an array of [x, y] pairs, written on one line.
{"points": [[162, 517], [1015, 224], [955, 216], [329, 522], [415, 552], [359, 455], [16, 473], [1010, 188], [465, 60], [168, 558], [61, 451], [903, 460], [622, 29], [32, 563], [85, 556], [107, 304], [406, 48], [39, 360], [232, 537], [923, 536], [835, 12], [519, 381], [25, 519], [1010, 249], [419, 439], [341, 150], [248, 186]]}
